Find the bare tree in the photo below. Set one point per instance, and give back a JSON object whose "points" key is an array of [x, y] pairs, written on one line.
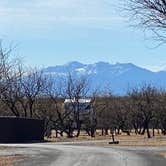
{"points": [[33, 86], [76, 89], [60, 119], [19, 88], [144, 100], [12, 93], [10, 74], [7, 65], [160, 116], [89, 118], [149, 14], [135, 116], [105, 115], [71, 115], [45, 110]]}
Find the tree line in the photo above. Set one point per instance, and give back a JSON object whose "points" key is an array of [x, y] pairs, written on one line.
{"points": [[140, 110], [27, 92]]}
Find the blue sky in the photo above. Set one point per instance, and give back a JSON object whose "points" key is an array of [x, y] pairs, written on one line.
{"points": [[54, 32]]}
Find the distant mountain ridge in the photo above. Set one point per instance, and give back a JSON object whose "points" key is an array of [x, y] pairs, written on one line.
{"points": [[119, 77]]}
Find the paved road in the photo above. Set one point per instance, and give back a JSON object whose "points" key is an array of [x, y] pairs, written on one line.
{"points": [[53, 154]]}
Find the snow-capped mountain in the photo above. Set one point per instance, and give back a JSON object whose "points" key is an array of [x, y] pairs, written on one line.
{"points": [[120, 77]]}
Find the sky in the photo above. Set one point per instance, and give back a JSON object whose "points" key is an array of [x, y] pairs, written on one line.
{"points": [[55, 32]]}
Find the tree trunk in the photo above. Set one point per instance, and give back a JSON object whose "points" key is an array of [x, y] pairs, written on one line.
{"points": [[148, 132], [113, 137], [88, 132], [118, 131], [136, 131], [106, 131], [102, 131], [70, 132], [140, 131], [93, 132], [78, 129], [158, 131], [143, 131], [31, 111], [56, 133], [153, 132]]}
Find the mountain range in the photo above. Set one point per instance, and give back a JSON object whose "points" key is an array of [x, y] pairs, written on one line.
{"points": [[120, 77]]}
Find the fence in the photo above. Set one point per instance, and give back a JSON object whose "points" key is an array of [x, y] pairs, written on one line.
{"points": [[19, 130]]}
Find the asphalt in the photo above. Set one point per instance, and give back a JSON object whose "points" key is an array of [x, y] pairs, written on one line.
{"points": [[70, 154]]}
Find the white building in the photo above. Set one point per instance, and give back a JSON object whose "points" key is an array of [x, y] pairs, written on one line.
{"points": [[81, 105]]}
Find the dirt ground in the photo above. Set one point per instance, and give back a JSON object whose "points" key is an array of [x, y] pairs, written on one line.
{"points": [[163, 154], [9, 160]]}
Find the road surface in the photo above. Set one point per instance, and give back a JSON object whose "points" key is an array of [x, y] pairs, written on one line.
{"points": [[53, 154]]}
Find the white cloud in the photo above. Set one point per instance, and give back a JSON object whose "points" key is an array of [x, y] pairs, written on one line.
{"points": [[41, 13], [156, 68]]}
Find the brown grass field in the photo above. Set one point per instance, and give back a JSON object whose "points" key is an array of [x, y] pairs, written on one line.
{"points": [[125, 140]]}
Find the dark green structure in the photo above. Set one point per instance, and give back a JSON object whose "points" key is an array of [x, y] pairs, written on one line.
{"points": [[21, 130]]}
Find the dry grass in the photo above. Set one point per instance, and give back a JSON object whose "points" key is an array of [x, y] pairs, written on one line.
{"points": [[74, 139], [3, 147], [97, 137], [7, 147], [143, 143], [121, 137], [127, 143], [9, 160], [125, 140]]}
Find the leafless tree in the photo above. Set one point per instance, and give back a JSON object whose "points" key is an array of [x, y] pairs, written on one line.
{"points": [[76, 89], [45, 110], [105, 115], [60, 119], [160, 116], [7, 65], [12, 93], [70, 116], [149, 14], [135, 116], [33, 85], [144, 100], [10, 74], [122, 115], [89, 118], [19, 86]]}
